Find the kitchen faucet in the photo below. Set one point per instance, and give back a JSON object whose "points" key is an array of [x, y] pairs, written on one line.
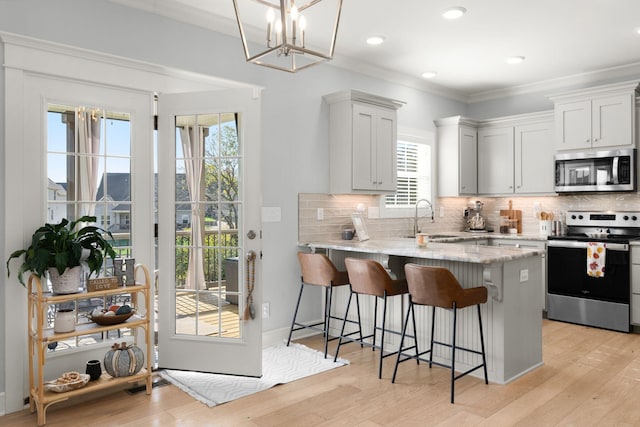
{"points": [[415, 218]]}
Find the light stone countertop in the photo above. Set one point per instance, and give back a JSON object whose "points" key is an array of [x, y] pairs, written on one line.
{"points": [[441, 250]]}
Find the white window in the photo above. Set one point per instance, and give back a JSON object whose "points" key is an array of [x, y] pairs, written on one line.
{"points": [[416, 160]]}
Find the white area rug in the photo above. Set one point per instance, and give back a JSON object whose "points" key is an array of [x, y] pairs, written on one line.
{"points": [[280, 365]]}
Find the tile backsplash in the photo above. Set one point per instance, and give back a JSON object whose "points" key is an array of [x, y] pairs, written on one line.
{"points": [[337, 210]]}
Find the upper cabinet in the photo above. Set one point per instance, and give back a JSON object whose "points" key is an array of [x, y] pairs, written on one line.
{"points": [[362, 143], [457, 156], [600, 117], [495, 160], [509, 155], [515, 155], [534, 149]]}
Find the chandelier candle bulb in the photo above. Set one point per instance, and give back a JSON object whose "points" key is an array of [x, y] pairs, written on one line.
{"points": [[278, 31], [294, 23], [270, 18], [303, 26]]}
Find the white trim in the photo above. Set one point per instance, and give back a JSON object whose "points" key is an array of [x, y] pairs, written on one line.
{"points": [[41, 56], [583, 79], [1, 404], [607, 90]]}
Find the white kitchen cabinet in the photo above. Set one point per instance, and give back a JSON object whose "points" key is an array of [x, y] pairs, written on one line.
{"points": [[457, 140], [600, 117], [362, 143], [515, 155], [534, 244], [495, 160], [534, 169]]}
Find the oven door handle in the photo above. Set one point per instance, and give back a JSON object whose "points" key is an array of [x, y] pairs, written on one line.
{"points": [[583, 245]]}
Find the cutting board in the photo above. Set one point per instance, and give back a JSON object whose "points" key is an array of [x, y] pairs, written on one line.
{"points": [[513, 214]]}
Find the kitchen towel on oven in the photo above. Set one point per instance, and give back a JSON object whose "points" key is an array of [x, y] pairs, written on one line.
{"points": [[596, 255]]}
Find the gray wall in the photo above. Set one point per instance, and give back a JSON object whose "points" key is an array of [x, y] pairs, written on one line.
{"points": [[295, 120]]}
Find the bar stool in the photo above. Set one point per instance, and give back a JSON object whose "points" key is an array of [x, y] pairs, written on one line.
{"points": [[368, 277], [438, 287], [318, 270]]}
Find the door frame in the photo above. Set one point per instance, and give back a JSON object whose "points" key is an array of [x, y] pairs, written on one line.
{"points": [[24, 56]]}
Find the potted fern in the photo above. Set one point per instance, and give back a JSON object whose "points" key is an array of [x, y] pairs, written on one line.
{"points": [[62, 249]]}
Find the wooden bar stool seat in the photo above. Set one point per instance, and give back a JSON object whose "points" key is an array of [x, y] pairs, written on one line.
{"points": [[318, 270], [437, 287], [368, 277]]}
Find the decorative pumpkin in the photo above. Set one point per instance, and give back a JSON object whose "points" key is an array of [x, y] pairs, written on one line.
{"points": [[123, 360]]}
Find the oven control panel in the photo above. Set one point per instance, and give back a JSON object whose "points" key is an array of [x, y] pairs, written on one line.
{"points": [[604, 219]]}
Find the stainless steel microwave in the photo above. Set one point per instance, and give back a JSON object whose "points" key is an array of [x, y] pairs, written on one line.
{"points": [[596, 171]]}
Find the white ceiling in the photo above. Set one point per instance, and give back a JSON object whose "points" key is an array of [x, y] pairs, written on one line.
{"points": [[563, 41]]}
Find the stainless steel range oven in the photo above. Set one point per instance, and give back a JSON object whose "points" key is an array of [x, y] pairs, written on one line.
{"points": [[573, 295]]}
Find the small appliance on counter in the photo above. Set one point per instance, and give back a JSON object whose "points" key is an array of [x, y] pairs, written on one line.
{"points": [[475, 221]]}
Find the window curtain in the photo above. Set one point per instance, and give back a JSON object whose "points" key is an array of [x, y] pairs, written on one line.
{"points": [[88, 137], [192, 138]]}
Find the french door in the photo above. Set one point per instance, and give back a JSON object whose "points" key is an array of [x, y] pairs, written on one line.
{"points": [[209, 281]]}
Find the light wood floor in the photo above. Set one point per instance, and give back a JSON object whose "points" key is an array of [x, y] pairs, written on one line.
{"points": [[591, 377]]}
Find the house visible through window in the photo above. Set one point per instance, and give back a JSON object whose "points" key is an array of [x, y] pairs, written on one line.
{"points": [[414, 166]]}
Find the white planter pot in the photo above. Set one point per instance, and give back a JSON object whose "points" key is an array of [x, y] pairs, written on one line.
{"points": [[66, 283]]}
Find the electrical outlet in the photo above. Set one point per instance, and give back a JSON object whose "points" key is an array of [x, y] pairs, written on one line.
{"points": [[320, 214], [441, 211], [524, 275], [265, 310]]}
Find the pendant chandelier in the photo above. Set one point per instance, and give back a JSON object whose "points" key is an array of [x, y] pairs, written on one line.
{"points": [[288, 36]]}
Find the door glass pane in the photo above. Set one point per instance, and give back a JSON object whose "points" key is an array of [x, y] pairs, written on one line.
{"points": [[206, 282], [88, 170]]}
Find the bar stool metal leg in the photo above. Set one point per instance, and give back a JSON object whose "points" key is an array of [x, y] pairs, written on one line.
{"points": [[384, 318], [453, 351], [344, 324], [484, 359], [295, 314], [328, 292], [404, 332], [433, 329]]}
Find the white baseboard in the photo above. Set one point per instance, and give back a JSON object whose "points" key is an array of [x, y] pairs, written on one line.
{"points": [[2, 398], [277, 336]]}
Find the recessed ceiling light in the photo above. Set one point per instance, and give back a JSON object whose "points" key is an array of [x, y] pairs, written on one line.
{"points": [[515, 59], [375, 40], [454, 12], [638, 30], [429, 74]]}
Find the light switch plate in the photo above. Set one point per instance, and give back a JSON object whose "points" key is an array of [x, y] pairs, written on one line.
{"points": [[320, 214]]}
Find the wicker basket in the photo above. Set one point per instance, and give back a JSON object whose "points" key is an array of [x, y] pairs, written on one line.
{"points": [[111, 320]]}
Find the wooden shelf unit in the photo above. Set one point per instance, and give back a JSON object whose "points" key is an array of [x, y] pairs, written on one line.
{"points": [[39, 337]]}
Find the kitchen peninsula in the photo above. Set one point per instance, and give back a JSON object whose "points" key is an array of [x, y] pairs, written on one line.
{"points": [[511, 317]]}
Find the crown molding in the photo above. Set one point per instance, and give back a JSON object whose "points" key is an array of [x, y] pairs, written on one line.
{"points": [[27, 53], [628, 70]]}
